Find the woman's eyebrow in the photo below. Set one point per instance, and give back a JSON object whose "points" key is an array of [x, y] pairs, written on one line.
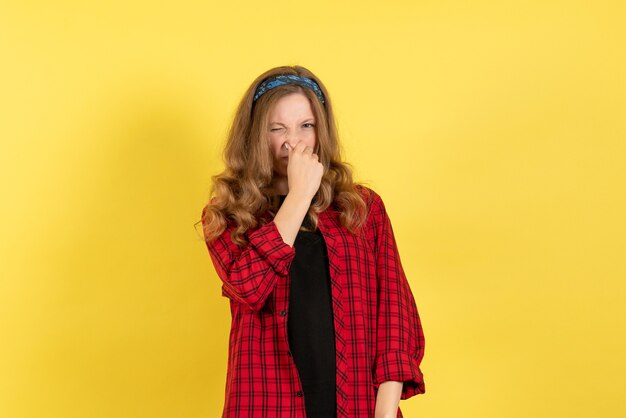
{"points": [[306, 120]]}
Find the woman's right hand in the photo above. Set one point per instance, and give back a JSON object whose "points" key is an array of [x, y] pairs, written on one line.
{"points": [[304, 171]]}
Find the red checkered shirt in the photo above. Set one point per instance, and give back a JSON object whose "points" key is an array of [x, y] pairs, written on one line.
{"points": [[378, 333]]}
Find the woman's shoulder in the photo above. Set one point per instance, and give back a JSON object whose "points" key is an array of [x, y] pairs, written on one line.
{"points": [[375, 209], [369, 195]]}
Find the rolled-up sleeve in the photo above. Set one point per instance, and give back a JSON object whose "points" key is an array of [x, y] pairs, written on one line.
{"points": [[250, 274], [399, 334]]}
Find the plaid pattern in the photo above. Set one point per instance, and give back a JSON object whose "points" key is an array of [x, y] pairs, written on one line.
{"points": [[378, 333]]}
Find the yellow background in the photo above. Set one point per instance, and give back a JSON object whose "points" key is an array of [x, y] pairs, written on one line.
{"points": [[494, 131]]}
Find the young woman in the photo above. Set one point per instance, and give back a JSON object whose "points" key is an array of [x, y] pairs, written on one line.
{"points": [[324, 323]]}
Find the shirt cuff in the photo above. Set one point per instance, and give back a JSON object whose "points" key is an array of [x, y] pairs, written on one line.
{"points": [[269, 244], [401, 367]]}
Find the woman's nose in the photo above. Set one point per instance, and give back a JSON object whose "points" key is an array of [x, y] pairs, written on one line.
{"points": [[291, 139]]}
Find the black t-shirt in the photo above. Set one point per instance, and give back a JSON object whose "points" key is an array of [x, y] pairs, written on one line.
{"points": [[310, 323]]}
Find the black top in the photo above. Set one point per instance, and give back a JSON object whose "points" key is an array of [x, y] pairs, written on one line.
{"points": [[310, 322]]}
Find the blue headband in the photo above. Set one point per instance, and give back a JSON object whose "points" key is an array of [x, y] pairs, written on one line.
{"points": [[280, 80]]}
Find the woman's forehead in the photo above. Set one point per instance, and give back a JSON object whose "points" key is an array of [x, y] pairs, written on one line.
{"points": [[289, 108]]}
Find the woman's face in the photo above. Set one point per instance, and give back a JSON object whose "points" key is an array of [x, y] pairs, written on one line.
{"points": [[290, 120]]}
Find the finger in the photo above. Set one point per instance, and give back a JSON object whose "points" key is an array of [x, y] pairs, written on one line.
{"points": [[300, 146]]}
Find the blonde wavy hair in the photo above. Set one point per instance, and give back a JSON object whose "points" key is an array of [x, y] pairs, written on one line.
{"points": [[243, 194]]}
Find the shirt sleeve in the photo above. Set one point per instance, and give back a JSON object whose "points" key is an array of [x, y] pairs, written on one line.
{"points": [[399, 334], [250, 274]]}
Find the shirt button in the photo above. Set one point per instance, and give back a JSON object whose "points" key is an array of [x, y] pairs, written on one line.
{"points": [[299, 394], [283, 313]]}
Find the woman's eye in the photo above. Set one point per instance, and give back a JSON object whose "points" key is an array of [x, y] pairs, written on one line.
{"points": [[309, 124], [275, 129]]}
